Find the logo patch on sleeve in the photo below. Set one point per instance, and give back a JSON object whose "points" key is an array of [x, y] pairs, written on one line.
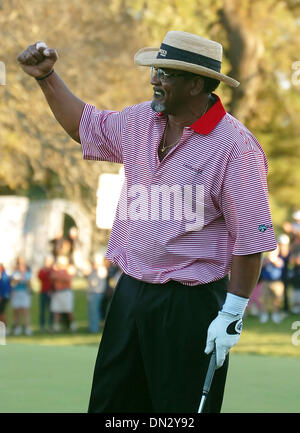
{"points": [[263, 227]]}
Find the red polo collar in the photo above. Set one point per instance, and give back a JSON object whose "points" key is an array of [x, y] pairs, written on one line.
{"points": [[210, 119], [206, 123]]}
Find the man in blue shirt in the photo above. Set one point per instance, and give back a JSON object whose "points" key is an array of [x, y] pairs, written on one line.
{"points": [[5, 291]]}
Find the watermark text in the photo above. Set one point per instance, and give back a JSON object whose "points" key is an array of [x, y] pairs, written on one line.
{"points": [[2, 334], [296, 335], [163, 203], [296, 73], [2, 74]]}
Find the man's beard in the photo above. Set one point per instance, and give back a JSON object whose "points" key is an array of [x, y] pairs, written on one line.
{"points": [[158, 107]]}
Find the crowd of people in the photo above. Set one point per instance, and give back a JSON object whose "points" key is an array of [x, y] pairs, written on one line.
{"points": [[56, 296], [277, 293]]}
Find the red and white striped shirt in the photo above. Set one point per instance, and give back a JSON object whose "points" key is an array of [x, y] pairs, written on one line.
{"points": [[216, 174]]}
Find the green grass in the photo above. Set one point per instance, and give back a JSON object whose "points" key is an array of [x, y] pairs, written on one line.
{"points": [[51, 379], [48, 379], [262, 384]]}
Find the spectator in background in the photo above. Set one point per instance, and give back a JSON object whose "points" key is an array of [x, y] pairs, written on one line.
{"points": [[57, 244], [96, 287], [295, 298], [66, 246], [73, 243], [272, 287], [44, 275], [254, 305], [113, 275], [293, 230], [62, 299], [5, 292], [21, 297], [293, 227], [284, 253]]}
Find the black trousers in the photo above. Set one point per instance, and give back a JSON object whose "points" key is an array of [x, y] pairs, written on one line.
{"points": [[151, 357]]}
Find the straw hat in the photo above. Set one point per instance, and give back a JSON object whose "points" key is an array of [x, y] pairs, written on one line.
{"points": [[187, 52]]}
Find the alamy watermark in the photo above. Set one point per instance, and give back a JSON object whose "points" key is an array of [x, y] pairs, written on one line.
{"points": [[163, 203], [296, 335], [2, 334], [296, 73], [2, 74]]}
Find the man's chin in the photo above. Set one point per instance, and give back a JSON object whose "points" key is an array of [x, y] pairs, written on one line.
{"points": [[158, 107]]}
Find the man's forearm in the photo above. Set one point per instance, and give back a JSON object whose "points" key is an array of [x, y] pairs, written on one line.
{"points": [[224, 331], [245, 271], [66, 107]]}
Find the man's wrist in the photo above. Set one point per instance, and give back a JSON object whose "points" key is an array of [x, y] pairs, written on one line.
{"points": [[44, 76], [235, 304]]}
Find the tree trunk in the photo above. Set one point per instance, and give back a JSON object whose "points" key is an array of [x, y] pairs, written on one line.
{"points": [[244, 53]]}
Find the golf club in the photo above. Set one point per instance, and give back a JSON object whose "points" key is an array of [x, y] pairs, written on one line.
{"points": [[208, 380]]}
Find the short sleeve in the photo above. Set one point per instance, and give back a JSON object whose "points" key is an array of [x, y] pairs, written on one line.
{"points": [[101, 134], [245, 204]]}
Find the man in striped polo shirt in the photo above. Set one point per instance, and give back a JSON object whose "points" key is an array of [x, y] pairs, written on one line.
{"points": [[193, 209]]}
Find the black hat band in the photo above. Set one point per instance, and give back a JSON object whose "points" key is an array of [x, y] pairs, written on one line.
{"points": [[172, 53]]}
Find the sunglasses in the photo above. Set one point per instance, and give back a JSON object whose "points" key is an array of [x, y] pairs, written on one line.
{"points": [[164, 76]]}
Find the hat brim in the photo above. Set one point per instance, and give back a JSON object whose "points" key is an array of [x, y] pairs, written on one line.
{"points": [[148, 57]]}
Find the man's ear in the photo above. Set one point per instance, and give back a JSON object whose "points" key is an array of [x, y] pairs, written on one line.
{"points": [[197, 86]]}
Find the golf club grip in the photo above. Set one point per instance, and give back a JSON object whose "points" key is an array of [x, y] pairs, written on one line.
{"points": [[210, 373]]}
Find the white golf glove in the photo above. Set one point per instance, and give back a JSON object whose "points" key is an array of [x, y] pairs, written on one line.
{"points": [[224, 331]]}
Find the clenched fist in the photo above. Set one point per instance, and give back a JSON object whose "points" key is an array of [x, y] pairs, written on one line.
{"points": [[37, 60]]}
